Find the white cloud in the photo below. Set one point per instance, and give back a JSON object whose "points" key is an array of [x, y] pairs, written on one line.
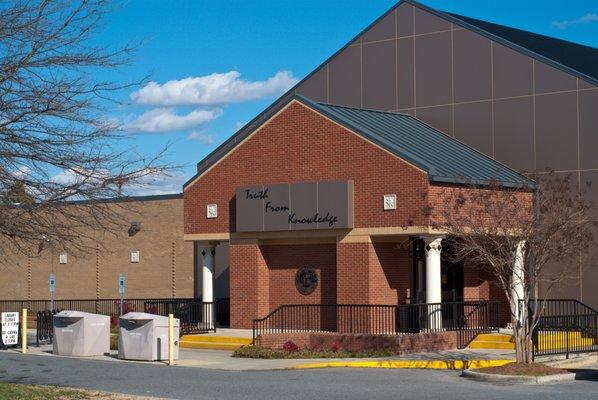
{"points": [[201, 137], [78, 176], [151, 183], [165, 183], [585, 19], [166, 119], [214, 89]]}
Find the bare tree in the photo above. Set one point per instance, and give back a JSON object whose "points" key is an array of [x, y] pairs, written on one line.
{"points": [[56, 145], [528, 239]]}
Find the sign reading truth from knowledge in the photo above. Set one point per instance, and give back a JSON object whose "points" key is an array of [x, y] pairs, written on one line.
{"points": [[295, 206]]}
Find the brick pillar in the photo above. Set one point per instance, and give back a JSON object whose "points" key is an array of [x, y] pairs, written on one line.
{"points": [[249, 286], [352, 280]]}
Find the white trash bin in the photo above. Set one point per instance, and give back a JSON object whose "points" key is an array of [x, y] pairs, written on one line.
{"points": [[81, 334], [143, 336]]}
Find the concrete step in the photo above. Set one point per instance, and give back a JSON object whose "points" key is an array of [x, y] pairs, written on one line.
{"points": [[543, 345], [560, 335], [492, 341], [548, 341], [213, 342], [481, 344], [494, 337]]}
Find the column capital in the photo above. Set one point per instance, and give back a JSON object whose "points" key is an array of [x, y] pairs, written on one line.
{"points": [[207, 247], [433, 243]]}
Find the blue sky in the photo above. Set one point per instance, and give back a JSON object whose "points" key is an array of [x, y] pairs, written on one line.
{"points": [[256, 49]]}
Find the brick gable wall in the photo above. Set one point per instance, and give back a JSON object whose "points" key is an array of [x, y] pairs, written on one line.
{"points": [[299, 145]]}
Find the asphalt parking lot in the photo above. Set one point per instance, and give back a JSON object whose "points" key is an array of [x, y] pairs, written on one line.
{"points": [[198, 383]]}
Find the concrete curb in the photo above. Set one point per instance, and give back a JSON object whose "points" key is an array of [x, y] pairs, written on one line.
{"points": [[577, 362], [495, 378], [407, 364]]}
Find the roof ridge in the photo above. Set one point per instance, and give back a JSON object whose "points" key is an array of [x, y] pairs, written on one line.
{"points": [[363, 109], [465, 18], [514, 45]]}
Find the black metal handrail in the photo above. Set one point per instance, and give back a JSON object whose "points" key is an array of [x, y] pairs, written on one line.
{"points": [[557, 307], [98, 306], [470, 317], [197, 317]]}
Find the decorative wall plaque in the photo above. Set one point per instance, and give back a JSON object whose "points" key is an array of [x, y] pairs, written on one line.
{"points": [[306, 280], [212, 211], [390, 202]]}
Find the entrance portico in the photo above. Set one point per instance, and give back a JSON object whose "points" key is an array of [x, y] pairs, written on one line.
{"points": [[336, 224]]}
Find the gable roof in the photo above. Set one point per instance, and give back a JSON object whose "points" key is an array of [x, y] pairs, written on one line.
{"points": [[496, 34], [446, 160]]}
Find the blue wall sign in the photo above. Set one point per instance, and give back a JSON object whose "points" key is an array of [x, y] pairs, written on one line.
{"points": [[52, 283], [121, 284]]}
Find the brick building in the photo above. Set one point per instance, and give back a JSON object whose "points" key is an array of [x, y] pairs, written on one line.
{"points": [[525, 100], [165, 266], [338, 193]]}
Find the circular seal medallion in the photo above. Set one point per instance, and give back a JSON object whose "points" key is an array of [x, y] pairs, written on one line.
{"points": [[306, 280]]}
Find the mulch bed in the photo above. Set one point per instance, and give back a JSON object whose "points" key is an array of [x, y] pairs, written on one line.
{"points": [[523, 370], [262, 352]]}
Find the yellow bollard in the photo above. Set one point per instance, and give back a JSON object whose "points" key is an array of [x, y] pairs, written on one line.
{"points": [[170, 339], [24, 331]]}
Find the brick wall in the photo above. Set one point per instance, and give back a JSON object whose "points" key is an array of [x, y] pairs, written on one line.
{"points": [[483, 207], [398, 344], [283, 261], [249, 285], [479, 284], [165, 268], [389, 273], [263, 277]]}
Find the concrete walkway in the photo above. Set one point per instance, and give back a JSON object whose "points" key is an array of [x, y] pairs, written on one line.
{"points": [[223, 360]]}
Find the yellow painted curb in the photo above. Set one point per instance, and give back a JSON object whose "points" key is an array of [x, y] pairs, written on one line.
{"points": [[419, 364]]}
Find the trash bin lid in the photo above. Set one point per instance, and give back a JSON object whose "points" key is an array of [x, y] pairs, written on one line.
{"points": [[74, 314], [140, 316]]}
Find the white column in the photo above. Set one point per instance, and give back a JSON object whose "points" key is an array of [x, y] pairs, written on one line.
{"points": [[518, 279], [207, 281], [433, 281]]}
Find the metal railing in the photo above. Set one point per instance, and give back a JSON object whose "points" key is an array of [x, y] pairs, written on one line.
{"points": [[469, 318], [195, 316], [98, 306], [565, 326], [566, 334], [45, 326], [193, 312], [558, 307]]}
